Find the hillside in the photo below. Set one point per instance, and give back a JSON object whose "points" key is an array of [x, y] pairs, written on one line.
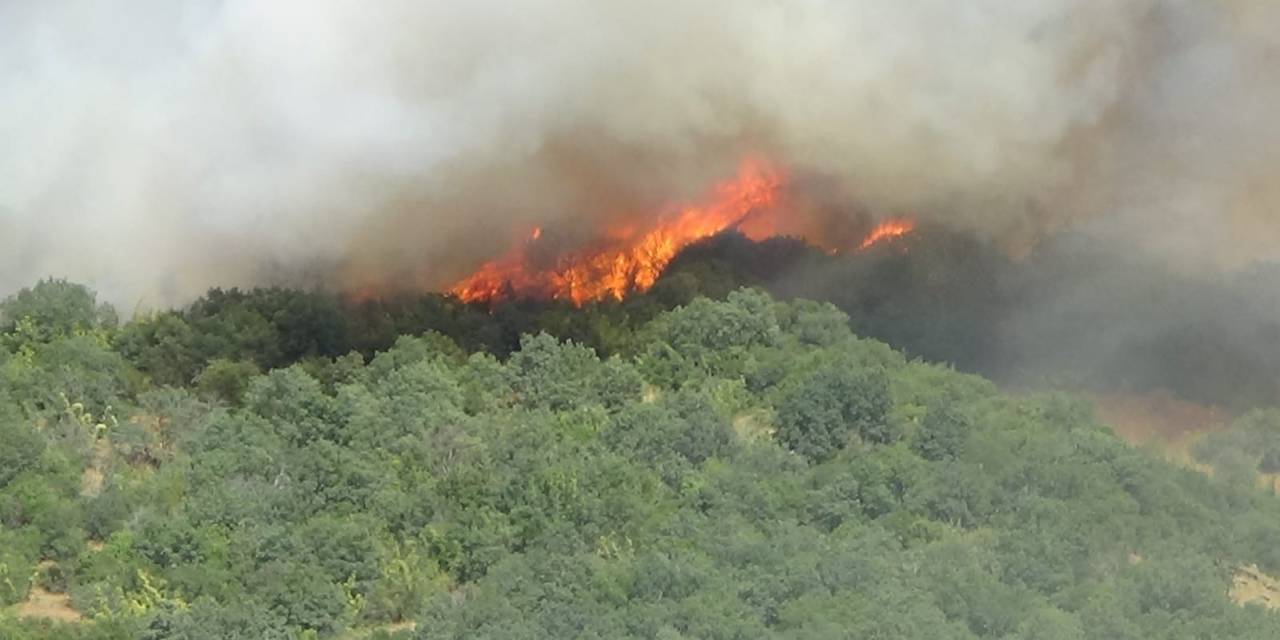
{"points": [[743, 468]]}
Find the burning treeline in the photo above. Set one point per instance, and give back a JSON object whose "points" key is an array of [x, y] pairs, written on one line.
{"points": [[630, 256]]}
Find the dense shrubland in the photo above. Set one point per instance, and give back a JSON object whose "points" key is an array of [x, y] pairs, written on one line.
{"points": [[279, 464]]}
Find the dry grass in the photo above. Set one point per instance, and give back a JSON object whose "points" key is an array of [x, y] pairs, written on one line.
{"points": [[92, 478], [1252, 586], [1158, 418], [395, 627], [754, 426], [51, 606], [649, 393], [91, 482]]}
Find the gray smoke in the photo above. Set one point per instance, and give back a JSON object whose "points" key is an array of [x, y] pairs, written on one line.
{"points": [[153, 148]]}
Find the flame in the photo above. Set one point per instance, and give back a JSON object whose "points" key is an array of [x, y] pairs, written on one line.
{"points": [[892, 228], [631, 258]]}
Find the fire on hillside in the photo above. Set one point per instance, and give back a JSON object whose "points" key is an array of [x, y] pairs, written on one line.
{"points": [[630, 257]]}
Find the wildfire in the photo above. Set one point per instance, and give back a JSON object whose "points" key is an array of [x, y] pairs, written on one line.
{"points": [[630, 258], [893, 228]]}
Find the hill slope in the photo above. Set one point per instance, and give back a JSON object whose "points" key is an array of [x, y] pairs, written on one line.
{"points": [[743, 469]]}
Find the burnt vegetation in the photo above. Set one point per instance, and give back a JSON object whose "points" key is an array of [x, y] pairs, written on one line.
{"points": [[701, 460]]}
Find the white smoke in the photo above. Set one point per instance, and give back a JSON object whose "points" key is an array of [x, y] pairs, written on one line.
{"points": [[153, 148]]}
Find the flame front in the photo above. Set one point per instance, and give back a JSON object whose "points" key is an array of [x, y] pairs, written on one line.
{"points": [[631, 259], [892, 228]]}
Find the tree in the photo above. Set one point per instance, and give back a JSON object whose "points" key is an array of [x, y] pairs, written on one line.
{"points": [[163, 346], [942, 432], [818, 413], [208, 619], [716, 335], [408, 579], [550, 374], [295, 404], [77, 374], [55, 308], [302, 596], [681, 430], [20, 444], [226, 380], [1050, 624]]}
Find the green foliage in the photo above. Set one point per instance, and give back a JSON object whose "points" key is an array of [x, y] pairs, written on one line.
{"points": [[672, 435], [207, 619], [1250, 446], [164, 346], [819, 412], [54, 309], [19, 551], [78, 376], [20, 444], [408, 579], [735, 469], [301, 595], [225, 380], [942, 432]]}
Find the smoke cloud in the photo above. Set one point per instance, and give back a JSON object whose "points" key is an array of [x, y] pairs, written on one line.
{"points": [[154, 148]]}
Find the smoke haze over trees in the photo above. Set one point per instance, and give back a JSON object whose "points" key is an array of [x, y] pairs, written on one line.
{"points": [[1077, 312]]}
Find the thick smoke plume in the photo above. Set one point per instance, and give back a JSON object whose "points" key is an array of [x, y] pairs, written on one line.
{"points": [[154, 148]]}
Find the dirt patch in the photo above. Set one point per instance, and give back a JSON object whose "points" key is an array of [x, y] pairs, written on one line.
{"points": [[93, 477], [91, 482], [395, 627], [47, 605], [1251, 586], [753, 426]]}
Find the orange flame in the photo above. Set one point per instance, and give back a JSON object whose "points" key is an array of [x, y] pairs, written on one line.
{"points": [[631, 259], [892, 228]]}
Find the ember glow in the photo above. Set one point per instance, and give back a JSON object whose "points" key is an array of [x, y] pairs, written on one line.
{"points": [[631, 257]]}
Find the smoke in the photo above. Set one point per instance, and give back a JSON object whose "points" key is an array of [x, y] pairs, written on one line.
{"points": [[154, 148]]}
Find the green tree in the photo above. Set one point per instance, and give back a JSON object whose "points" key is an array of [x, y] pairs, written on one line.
{"points": [[820, 412], [942, 432], [226, 380], [164, 346], [302, 596], [20, 444], [54, 309]]}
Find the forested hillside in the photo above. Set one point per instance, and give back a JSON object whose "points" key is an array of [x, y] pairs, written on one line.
{"points": [[276, 464]]}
